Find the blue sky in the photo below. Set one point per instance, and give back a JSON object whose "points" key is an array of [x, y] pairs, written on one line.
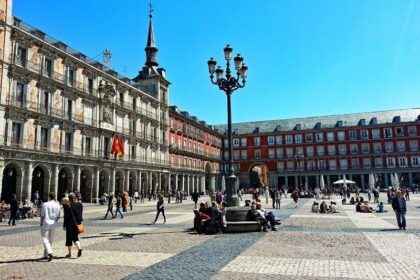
{"points": [[305, 57]]}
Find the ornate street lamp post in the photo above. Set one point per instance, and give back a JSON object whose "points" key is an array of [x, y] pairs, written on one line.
{"points": [[229, 84], [299, 159]]}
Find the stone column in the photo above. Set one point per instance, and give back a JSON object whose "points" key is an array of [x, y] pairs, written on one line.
{"points": [[213, 183], [328, 181], [203, 184], [27, 188], [286, 182], [317, 180], [176, 182], [385, 176], [297, 183], [160, 182], [150, 181], [183, 183], [410, 180], [111, 183], [362, 178], [54, 179], [1, 173], [168, 183], [188, 184], [95, 186], [76, 181], [138, 182], [127, 180]]}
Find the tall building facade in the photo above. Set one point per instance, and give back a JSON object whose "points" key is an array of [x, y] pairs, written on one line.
{"points": [[62, 113], [296, 152]]}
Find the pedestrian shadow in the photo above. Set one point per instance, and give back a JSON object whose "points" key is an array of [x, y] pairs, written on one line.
{"points": [[29, 260], [389, 229]]}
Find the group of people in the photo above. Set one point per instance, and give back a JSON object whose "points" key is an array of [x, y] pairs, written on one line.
{"points": [[17, 210], [121, 200], [50, 216], [210, 218], [323, 208]]}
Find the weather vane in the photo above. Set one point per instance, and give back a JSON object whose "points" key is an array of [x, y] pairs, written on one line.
{"points": [[150, 10]]}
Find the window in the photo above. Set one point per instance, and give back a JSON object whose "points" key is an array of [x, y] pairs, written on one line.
{"points": [[69, 109], [270, 140], [412, 131], [271, 153], [341, 136], [244, 154], [45, 102], [320, 150], [309, 137], [298, 138], [387, 132], [415, 161], [279, 139], [399, 132], [365, 148], [236, 155], [342, 149], [289, 152], [331, 150], [106, 147], [48, 67], [401, 146], [21, 55], [378, 162], [121, 99], [414, 145], [390, 162], [376, 134], [344, 164], [279, 152], [332, 163], [353, 135], [289, 139], [364, 134], [257, 141], [280, 166], [377, 148], [20, 94], [87, 114], [311, 165], [354, 149], [366, 163], [90, 87], [243, 142], [309, 151], [16, 133], [68, 142], [402, 162], [389, 147], [257, 154], [319, 137], [235, 142], [330, 136], [44, 138], [355, 163], [70, 76], [321, 164], [290, 165]]}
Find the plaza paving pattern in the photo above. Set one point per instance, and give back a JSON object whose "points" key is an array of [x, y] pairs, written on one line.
{"points": [[347, 245]]}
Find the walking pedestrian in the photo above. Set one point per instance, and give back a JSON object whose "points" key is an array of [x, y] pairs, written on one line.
{"points": [[136, 196], [400, 208], [73, 216], [278, 198], [50, 214], [118, 206], [14, 207], [195, 196], [110, 205], [295, 196], [160, 208]]}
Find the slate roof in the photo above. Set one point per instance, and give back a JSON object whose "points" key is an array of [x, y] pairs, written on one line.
{"points": [[323, 122]]}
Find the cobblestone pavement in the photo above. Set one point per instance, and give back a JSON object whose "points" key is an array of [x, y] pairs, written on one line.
{"points": [[346, 245]]}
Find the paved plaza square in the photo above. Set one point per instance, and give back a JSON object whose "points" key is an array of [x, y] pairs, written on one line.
{"points": [[347, 245]]}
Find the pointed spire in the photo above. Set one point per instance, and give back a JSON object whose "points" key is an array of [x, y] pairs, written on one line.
{"points": [[151, 49]]}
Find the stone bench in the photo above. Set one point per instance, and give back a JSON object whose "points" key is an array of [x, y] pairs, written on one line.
{"points": [[242, 226]]}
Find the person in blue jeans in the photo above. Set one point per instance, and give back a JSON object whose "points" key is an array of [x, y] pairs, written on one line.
{"points": [[118, 205], [160, 208], [400, 207]]}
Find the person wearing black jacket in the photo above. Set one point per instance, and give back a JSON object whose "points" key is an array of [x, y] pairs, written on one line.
{"points": [[110, 205], [14, 206], [73, 216], [400, 208]]}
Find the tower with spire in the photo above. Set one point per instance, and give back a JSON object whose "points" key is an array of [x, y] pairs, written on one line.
{"points": [[152, 79]]}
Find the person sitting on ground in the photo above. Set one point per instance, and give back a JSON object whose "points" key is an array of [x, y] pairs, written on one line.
{"points": [[247, 203], [352, 201], [357, 200], [323, 208], [359, 207], [255, 215], [333, 208], [315, 207], [361, 199], [365, 208], [381, 207]]}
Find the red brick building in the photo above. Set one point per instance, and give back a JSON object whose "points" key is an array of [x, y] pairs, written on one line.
{"points": [[284, 152], [194, 152]]}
